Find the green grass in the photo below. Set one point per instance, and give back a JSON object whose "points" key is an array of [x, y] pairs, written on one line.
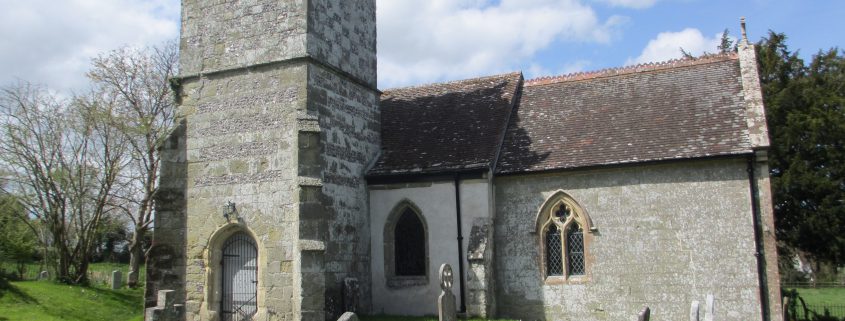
{"points": [[45, 300], [822, 296]]}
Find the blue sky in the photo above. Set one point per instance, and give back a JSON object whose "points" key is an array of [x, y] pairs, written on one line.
{"points": [[420, 41]]}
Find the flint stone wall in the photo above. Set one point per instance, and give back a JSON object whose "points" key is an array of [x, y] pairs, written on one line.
{"points": [[221, 35], [341, 141], [242, 138], [666, 235], [280, 118]]}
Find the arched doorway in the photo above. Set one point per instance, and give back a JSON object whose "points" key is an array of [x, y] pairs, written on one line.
{"points": [[239, 267]]}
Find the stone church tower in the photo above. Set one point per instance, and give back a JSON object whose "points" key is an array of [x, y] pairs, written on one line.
{"points": [[263, 181]]}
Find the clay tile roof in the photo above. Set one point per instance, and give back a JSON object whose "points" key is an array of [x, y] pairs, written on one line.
{"points": [[674, 110], [446, 127]]}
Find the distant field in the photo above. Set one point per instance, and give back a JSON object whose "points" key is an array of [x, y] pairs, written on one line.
{"points": [[45, 300]]}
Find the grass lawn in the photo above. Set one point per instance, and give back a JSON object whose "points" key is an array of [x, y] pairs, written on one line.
{"points": [[823, 296], [45, 300]]}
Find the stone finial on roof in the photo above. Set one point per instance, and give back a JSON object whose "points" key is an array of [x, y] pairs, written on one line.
{"points": [[742, 27]]}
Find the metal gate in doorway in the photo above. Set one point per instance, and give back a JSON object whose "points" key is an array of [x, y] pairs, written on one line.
{"points": [[240, 278]]}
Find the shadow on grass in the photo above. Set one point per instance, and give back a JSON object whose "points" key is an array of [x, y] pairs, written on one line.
{"points": [[7, 288], [123, 297]]}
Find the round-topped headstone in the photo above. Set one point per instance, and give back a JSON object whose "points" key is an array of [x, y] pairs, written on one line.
{"points": [[446, 277]]}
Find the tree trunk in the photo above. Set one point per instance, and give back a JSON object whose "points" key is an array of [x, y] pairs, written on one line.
{"points": [[136, 256]]}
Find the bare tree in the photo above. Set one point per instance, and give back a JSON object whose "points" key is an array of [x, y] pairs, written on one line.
{"points": [[137, 80], [63, 159]]}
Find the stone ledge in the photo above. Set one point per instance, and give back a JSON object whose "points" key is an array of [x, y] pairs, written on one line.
{"points": [[312, 245], [309, 181]]}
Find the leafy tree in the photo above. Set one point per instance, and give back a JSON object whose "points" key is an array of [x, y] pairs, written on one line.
{"points": [[137, 81], [63, 161], [806, 121], [112, 236], [726, 44]]}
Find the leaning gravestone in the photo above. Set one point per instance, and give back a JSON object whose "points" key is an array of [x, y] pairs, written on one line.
{"points": [[43, 275], [446, 301], [116, 279]]}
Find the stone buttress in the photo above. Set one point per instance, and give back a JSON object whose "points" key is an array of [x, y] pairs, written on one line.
{"points": [[278, 119]]}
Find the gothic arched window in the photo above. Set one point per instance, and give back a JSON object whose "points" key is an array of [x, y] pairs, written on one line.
{"points": [[562, 223], [406, 247], [409, 245]]}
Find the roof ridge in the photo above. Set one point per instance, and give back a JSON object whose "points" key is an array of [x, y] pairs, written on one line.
{"points": [[451, 82], [631, 69]]}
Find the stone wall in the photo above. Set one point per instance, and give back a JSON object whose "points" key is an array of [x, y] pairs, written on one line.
{"points": [[242, 138], [165, 265], [221, 35], [342, 34], [342, 139], [280, 119], [667, 234]]}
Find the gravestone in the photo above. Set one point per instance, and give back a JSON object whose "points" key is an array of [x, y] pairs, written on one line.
{"points": [[166, 308], [446, 301], [645, 314], [785, 308], [43, 275], [348, 316], [351, 294], [132, 275], [116, 279], [710, 310], [693, 311]]}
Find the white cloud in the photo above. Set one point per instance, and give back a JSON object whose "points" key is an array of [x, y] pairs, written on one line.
{"points": [[668, 46], [52, 42], [424, 41], [635, 4], [536, 70]]}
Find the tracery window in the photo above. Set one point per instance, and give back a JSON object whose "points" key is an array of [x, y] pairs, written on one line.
{"points": [[562, 224]]}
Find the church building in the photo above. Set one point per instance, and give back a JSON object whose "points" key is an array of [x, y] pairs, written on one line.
{"points": [[295, 189]]}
